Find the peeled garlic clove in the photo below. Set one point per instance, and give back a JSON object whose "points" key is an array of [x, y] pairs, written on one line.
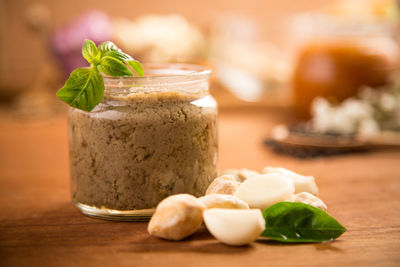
{"points": [[223, 202], [176, 217], [262, 191], [307, 198], [233, 172], [302, 183], [225, 184], [241, 174], [234, 227], [245, 174]]}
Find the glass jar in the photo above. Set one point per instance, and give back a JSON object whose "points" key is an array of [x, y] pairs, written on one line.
{"points": [[150, 137]]}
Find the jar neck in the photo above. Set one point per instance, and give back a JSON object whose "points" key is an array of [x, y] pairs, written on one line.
{"points": [[125, 87], [184, 78]]}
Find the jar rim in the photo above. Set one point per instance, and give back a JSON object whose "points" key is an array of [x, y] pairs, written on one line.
{"points": [[161, 77], [165, 71]]}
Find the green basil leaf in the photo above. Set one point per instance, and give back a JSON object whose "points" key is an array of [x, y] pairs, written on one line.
{"points": [[84, 89], [293, 222], [107, 46], [109, 49], [136, 66], [89, 50], [121, 56], [113, 67]]}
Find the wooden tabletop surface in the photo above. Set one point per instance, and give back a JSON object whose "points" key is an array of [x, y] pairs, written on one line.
{"points": [[40, 227]]}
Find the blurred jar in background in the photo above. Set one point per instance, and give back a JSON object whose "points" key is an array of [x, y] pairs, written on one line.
{"points": [[248, 67], [338, 55]]}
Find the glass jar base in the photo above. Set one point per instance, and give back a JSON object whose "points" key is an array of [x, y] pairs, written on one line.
{"points": [[115, 215]]}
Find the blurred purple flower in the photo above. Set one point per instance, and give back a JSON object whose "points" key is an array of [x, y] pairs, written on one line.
{"points": [[67, 40]]}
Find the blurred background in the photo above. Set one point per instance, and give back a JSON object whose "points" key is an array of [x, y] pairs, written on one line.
{"points": [[330, 63]]}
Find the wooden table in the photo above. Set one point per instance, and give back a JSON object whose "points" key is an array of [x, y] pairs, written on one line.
{"points": [[40, 227]]}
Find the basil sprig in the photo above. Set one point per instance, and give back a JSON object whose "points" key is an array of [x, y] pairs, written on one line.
{"points": [[292, 222], [84, 88]]}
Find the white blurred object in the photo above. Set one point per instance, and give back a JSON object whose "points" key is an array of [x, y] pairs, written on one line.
{"points": [[245, 64], [343, 119], [168, 38], [373, 111], [239, 81]]}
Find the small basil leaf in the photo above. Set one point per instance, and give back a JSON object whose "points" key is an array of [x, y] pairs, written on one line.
{"points": [[109, 49], [89, 50], [113, 67], [107, 46], [136, 66], [84, 89], [118, 55], [297, 222]]}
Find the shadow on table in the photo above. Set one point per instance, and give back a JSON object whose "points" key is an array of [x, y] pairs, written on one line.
{"points": [[199, 242], [318, 246], [63, 225]]}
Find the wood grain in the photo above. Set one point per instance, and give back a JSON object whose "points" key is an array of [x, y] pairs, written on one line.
{"points": [[40, 227]]}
